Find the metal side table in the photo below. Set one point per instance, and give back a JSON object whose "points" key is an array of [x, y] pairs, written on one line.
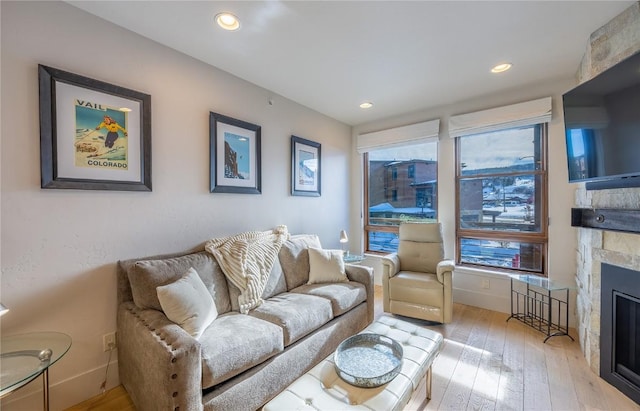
{"points": [[540, 303], [24, 357]]}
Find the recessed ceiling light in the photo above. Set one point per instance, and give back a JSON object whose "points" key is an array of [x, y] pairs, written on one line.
{"points": [[227, 21], [366, 104], [500, 68]]}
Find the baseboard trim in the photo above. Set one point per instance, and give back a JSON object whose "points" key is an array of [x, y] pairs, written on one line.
{"points": [[483, 300], [62, 394]]}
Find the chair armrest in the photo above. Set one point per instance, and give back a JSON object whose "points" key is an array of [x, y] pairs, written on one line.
{"points": [[390, 265], [443, 267], [363, 275], [157, 356]]}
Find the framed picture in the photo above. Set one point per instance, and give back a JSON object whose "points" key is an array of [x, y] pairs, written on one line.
{"points": [[305, 167], [93, 135], [235, 155]]}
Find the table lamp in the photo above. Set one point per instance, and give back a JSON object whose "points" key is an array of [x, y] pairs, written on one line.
{"points": [[344, 240]]}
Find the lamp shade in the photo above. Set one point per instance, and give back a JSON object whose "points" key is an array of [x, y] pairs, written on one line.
{"points": [[343, 237]]}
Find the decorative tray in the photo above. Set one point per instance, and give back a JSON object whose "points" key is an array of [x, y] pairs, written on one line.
{"points": [[368, 360]]}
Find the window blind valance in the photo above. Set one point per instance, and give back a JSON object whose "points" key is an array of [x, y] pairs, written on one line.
{"points": [[515, 115], [399, 136]]}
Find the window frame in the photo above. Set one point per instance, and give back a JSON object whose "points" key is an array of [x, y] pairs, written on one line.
{"points": [[541, 237], [367, 226]]}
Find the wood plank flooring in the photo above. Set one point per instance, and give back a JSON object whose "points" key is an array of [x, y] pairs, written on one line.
{"points": [[486, 364], [115, 399]]}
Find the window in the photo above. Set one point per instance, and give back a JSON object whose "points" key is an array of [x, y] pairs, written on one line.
{"points": [[400, 185], [501, 184]]}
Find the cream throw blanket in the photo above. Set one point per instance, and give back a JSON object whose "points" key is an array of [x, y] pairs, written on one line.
{"points": [[246, 260]]}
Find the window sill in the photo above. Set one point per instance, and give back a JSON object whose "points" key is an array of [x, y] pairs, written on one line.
{"points": [[485, 272]]}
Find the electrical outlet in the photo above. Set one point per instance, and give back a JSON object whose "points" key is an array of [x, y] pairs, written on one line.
{"points": [[109, 342], [486, 284]]}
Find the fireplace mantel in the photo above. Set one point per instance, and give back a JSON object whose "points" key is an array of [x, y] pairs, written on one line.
{"points": [[614, 219]]}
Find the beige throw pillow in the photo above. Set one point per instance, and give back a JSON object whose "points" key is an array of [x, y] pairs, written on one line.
{"points": [[326, 266], [187, 302], [294, 258]]}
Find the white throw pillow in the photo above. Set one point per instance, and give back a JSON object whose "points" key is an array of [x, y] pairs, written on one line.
{"points": [[187, 302], [326, 266]]}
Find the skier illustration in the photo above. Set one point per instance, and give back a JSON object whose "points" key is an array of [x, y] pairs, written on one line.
{"points": [[112, 127]]}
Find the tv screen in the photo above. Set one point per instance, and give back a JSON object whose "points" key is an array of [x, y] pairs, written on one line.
{"points": [[602, 125]]}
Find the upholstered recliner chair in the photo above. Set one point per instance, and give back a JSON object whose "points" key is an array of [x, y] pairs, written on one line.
{"points": [[416, 281]]}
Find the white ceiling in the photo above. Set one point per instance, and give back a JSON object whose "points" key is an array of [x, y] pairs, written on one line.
{"points": [[404, 56]]}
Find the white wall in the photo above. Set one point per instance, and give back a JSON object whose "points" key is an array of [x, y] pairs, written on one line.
{"points": [[59, 247], [562, 237]]}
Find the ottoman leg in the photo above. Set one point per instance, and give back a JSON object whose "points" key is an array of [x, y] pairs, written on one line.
{"points": [[429, 378]]}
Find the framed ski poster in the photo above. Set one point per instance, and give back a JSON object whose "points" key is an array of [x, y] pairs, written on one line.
{"points": [[305, 167], [235, 157], [93, 135]]}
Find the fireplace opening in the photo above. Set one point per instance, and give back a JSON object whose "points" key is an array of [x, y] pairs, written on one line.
{"points": [[620, 329]]}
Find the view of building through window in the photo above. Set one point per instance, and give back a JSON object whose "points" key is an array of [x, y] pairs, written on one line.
{"points": [[501, 189], [401, 186]]}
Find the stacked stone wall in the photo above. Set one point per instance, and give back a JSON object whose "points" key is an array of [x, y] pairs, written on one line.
{"points": [[612, 43], [595, 247]]}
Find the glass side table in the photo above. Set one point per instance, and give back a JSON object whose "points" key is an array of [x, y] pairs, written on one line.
{"points": [[24, 357], [352, 258], [541, 303]]}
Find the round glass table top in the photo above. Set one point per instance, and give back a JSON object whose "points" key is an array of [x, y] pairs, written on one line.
{"points": [[23, 357]]}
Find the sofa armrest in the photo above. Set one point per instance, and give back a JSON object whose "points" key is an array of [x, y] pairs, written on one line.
{"points": [[443, 267], [363, 275], [157, 356]]}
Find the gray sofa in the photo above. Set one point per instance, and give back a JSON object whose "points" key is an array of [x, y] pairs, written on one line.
{"points": [[241, 361]]}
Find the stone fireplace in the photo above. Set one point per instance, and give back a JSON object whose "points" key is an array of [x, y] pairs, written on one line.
{"points": [[594, 248], [620, 337], [618, 39]]}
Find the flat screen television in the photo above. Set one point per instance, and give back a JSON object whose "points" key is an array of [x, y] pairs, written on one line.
{"points": [[602, 127]]}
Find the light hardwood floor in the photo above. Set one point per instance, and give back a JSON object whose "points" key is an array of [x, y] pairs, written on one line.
{"points": [[486, 364]]}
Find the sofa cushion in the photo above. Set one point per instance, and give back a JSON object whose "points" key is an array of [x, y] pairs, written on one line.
{"points": [[326, 266], [276, 284], [146, 275], [187, 302], [235, 342], [297, 314], [294, 258], [343, 296]]}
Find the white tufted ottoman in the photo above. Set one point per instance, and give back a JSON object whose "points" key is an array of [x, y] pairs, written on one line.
{"points": [[322, 389]]}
